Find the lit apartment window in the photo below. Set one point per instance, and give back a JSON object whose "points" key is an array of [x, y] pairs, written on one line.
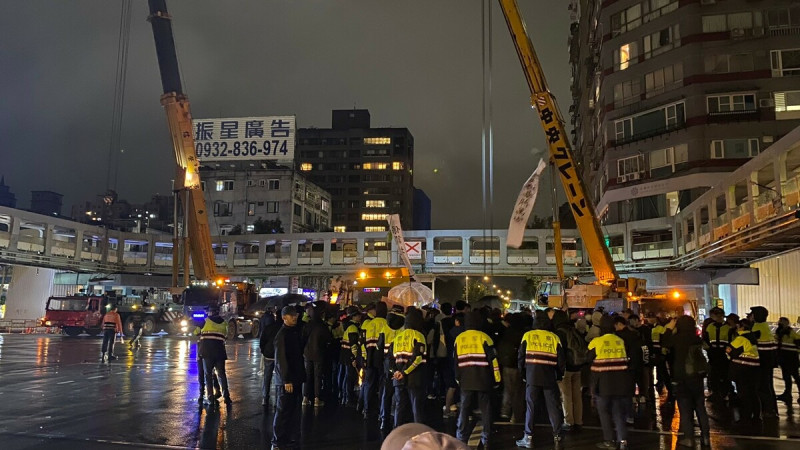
{"points": [[625, 56], [251, 209], [785, 63], [374, 229], [274, 184], [734, 148], [397, 165], [368, 166], [340, 229], [368, 216], [731, 103], [272, 207], [324, 205], [378, 140], [376, 203], [787, 105], [305, 167], [381, 166], [224, 185]]}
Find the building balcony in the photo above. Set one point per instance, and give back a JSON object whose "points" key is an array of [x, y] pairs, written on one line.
{"points": [[784, 31], [648, 134], [750, 115]]}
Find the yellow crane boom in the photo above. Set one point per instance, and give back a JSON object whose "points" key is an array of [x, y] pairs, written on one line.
{"points": [[560, 151]]}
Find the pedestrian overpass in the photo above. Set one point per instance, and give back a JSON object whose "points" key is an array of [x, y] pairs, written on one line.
{"points": [[750, 215]]}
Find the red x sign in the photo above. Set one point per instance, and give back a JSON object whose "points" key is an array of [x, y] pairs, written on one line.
{"points": [[414, 250]]}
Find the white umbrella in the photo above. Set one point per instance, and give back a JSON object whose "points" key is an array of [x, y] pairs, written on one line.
{"points": [[411, 293]]}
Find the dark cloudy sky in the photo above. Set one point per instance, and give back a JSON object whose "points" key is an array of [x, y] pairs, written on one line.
{"points": [[412, 63]]}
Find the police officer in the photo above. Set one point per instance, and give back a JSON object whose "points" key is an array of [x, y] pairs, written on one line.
{"points": [[745, 365], [542, 361], [716, 337], [374, 373], [349, 354], [788, 340], [660, 358], [768, 359], [408, 368], [362, 359], [477, 371], [612, 383], [394, 321], [212, 350]]}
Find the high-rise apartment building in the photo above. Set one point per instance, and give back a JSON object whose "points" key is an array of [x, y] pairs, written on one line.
{"points": [[368, 171], [669, 95]]}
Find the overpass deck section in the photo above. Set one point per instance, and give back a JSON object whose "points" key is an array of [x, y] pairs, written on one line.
{"points": [[750, 215]]}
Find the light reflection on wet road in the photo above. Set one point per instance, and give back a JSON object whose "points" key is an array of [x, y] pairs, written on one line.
{"points": [[54, 392]]}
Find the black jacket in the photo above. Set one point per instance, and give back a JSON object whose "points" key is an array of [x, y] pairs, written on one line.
{"points": [[508, 347], [267, 338], [317, 337], [289, 367], [633, 347]]}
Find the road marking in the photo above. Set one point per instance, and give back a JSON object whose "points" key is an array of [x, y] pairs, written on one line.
{"points": [[66, 382], [669, 433], [90, 439], [95, 377], [475, 437]]}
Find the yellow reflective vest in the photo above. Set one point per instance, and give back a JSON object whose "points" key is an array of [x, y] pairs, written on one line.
{"points": [[749, 356], [408, 354], [474, 355], [611, 354], [541, 347]]}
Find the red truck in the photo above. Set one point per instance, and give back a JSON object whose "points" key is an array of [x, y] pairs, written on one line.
{"points": [[75, 315]]}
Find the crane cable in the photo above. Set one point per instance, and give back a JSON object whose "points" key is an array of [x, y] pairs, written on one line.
{"points": [[115, 140], [487, 136]]}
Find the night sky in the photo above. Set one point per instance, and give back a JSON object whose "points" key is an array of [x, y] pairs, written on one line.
{"points": [[412, 63]]}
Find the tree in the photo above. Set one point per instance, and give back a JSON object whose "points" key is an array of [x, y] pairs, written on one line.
{"points": [[540, 223], [235, 230], [476, 290], [529, 289], [261, 226]]}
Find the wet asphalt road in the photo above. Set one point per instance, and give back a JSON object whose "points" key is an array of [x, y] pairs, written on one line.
{"points": [[54, 393]]}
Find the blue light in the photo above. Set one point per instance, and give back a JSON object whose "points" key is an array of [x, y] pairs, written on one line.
{"points": [[199, 316]]}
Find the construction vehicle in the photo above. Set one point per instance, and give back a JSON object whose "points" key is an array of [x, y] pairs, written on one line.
{"points": [[608, 284], [76, 314], [209, 287]]}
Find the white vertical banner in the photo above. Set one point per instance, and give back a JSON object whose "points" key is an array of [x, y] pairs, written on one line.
{"points": [[523, 207], [400, 242]]}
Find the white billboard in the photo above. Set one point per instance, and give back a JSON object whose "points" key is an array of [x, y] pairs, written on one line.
{"points": [[245, 138]]}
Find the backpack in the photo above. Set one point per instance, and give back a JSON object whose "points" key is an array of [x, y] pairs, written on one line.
{"points": [[696, 363], [576, 348]]}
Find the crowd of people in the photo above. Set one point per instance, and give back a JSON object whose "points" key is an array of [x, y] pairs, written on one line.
{"points": [[390, 364]]}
